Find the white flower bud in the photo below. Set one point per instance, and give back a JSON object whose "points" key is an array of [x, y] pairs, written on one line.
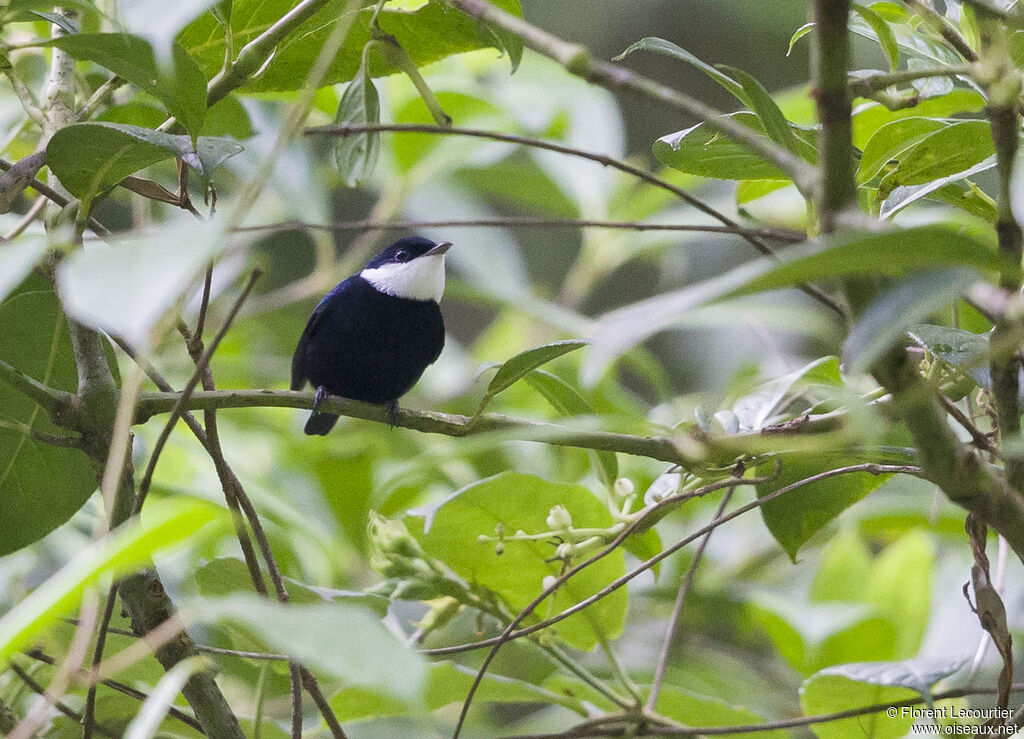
{"points": [[548, 582], [624, 487], [559, 519], [565, 551]]}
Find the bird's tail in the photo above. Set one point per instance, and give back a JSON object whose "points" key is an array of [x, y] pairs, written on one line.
{"points": [[319, 424]]}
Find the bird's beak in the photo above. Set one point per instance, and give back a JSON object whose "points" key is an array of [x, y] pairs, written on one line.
{"points": [[439, 249]]}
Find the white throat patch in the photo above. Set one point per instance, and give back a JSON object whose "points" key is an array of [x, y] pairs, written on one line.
{"points": [[419, 279]]}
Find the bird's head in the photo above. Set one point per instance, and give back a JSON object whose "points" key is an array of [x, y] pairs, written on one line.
{"points": [[411, 268]]}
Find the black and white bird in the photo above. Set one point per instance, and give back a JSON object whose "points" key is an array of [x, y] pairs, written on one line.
{"points": [[372, 336]]}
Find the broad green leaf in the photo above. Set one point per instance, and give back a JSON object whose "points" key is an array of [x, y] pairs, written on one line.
{"points": [[885, 321], [891, 253], [869, 117], [41, 485], [359, 703], [661, 46], [343, 640], [567, 400], [179, 85], [968, 197], [883, 34], [147, 722], [892, 141], [430, 33], [90, 157], [522, 364], [521, 502], [844, 569], [17, 259], [772, 120], [125, 288], [963, 349], [949, 150], [901, 197], [356, 156], [900, 587], [702, 711], [747, 191], [162, 526], [701, 151], [794, 517]]}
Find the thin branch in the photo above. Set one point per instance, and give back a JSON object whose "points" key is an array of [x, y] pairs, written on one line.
{"points": [[939, 23], [60, 706], [25, 97], [778, 234], [99, 97], [677, 609], [296, 695], [602, 159], [1012, 17], [870, 84], [577, 60], [55, 197], [511, 632], [26, 221], [980, 439], [187, 391], [49, 398]]}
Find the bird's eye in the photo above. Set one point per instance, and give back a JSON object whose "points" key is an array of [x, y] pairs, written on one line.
{"points": [[401, 256]]}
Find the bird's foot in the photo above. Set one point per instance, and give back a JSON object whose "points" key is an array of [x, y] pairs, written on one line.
{"points": [[391, 411], [320, 397]]}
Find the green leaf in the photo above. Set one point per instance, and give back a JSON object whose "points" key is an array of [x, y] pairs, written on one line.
{"points": [[524, 363], [90, 157], [949, 150], [125, 288], [661, 46], [701, 711], [17, 259], [963, 349], [755, 410], [181, 87], [767, 111], [702, 151], [892, 141], [885, 321], [567, 400], [34, 339], [430, 33], [883, 34], [163, 526], [794, 517], [343, 640], [356, 156], [521, 502], [900, 588], [868, 118], [805, 29], [892, 253]]}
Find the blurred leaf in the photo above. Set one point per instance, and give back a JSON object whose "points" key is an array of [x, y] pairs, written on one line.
{"points": [[702, 711], [147, 722], [90, 157], [891, 253], [883, 34], [868, 118], [41, 485], [888, 317], [767, 111], [127, 287], [567, 400], [748, 191], [356, 156], [428, 34], [519, 366], [449, 683], [900, 586], [359, 703], [754, 410], [794, 517], [949, 150], [891, 141], [179, 85], [17, 259], [843, 572], [228, 117], [162, 526], [368, 655], [661, 46], [901, 197], [963, 349], [450, 533], [644, 546]]}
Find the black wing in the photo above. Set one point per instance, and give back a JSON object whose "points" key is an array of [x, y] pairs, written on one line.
{"points": [[299, 376]]}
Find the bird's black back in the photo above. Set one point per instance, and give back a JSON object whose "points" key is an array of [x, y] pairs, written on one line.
{"points": [[363, 344]]}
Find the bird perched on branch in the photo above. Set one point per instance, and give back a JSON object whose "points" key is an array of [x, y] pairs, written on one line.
{"points": [[371, 337]]}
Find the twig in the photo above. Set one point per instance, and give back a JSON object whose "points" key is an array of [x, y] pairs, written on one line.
{"points": [[26, 221], [939, 23], [99, 97], [186, 392], [602, 159], [25, 97], [677, 608], [296, 695], [511, 632], [520, 222], [980, 439], [124, 690], [866, 86], [52, 195], [49, 398], [60, 706], [578, 61]]}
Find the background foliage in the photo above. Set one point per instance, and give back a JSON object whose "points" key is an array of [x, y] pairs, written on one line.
{"points": [[623, 373]]}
